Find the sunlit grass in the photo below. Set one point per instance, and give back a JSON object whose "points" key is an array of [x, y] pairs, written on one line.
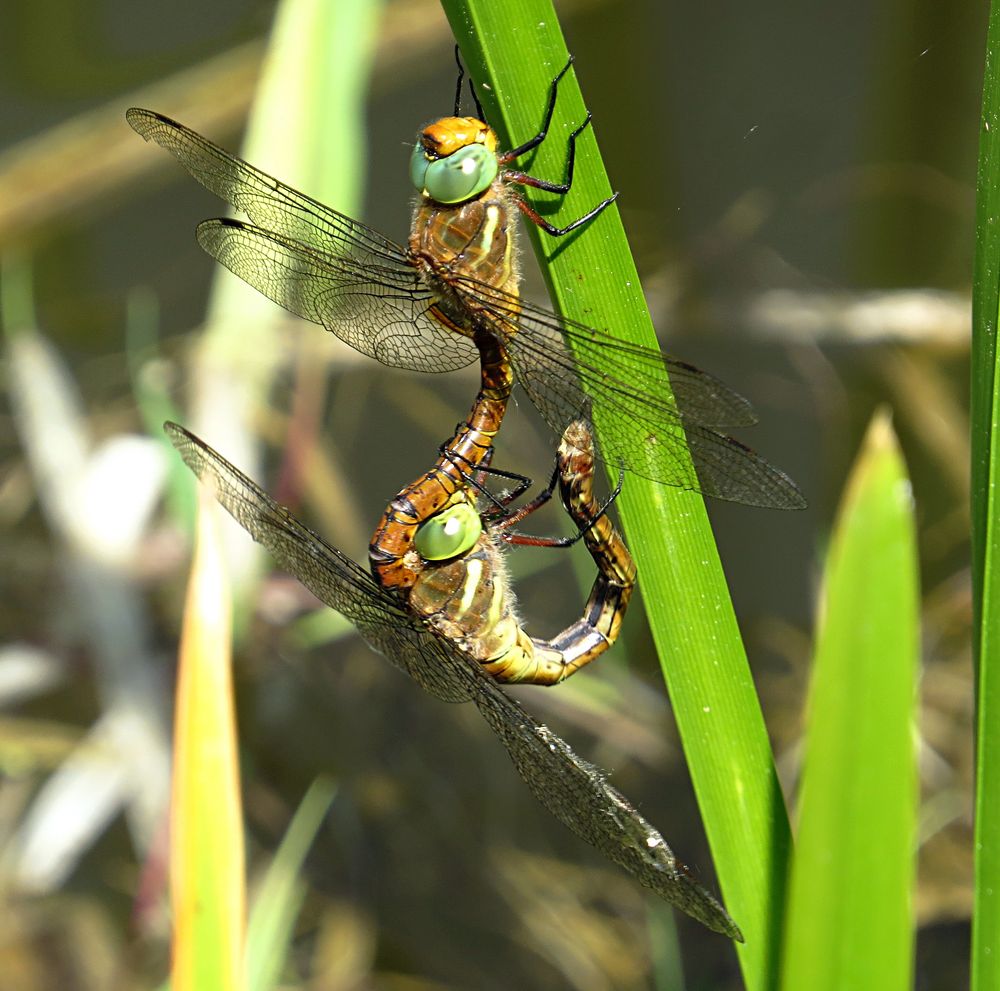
{"points": [[516, 49]]}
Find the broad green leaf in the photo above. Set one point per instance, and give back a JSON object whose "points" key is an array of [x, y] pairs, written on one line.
{"points": [[850, 920]]}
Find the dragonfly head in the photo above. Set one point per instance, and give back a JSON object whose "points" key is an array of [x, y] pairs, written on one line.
{"points": [[454, 160], [451, 533]]}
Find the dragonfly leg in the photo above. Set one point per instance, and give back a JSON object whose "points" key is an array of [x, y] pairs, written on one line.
{"points": [[458, 89], [533, 540], [523, 179], [476, 476], [501, 518], [536, 218], [536, 140]]}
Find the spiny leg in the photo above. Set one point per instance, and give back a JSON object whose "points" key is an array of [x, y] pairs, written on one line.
{"points": [[536, 140], [475, 476], [523, 179], [539, 221], [514, 537], [500, 518], [458, 88]]}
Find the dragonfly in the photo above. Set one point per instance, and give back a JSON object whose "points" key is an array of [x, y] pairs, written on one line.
{"points": [[460, 585], [450, 295], [456, 636]]}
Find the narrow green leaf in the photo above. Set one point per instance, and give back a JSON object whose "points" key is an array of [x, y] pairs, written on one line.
{"points": [[152, 396], [280, 896], [513, 51], [985, 963], [850, 911]]}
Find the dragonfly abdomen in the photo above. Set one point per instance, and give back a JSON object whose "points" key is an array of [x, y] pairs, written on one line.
{"points": [[551, 661]]}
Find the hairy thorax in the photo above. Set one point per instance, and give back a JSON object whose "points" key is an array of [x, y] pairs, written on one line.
{"points": [[467, 600], [474, 240]]}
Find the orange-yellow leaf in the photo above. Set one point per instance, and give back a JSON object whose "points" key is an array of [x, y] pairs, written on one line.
{"points": [[207, 876]]}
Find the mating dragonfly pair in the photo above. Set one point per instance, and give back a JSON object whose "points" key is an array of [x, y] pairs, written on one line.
{"points": [[437, 603]]}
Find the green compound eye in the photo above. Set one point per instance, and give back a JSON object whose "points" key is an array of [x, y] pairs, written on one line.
{"points": [[418, 167], [449, 534], [459, 177]]}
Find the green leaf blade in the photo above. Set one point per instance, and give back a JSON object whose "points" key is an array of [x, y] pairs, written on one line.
{"points": [[278, 901], [515, 49], [985, 958], [850, 912]]}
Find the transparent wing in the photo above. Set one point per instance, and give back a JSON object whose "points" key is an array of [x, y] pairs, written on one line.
{"points": [[330, 575], [575, 792], [579, 796], [568, 368], [380, 311], [364, 288], [317, 262]]}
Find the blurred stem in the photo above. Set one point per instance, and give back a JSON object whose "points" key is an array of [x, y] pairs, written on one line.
{"points": [[985, 963]]}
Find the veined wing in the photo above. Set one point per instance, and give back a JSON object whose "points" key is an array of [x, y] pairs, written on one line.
{"points": [[575, 792], [331, 576], [578, 794], [267, 201], [352, 263], [362, 286], [568, 368], [378, 310]]}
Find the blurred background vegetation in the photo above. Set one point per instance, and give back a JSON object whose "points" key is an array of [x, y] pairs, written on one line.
{"points": [[797, 184]]}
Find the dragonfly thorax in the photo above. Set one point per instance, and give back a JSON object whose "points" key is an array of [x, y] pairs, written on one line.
{"points": [[469, 601], [474, 240]]}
